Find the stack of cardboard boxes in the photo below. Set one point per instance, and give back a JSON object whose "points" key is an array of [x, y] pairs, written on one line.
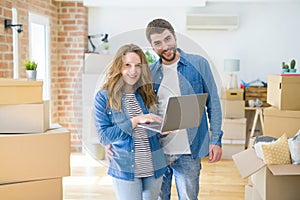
{"points": [[274, 182], [33, 157], [234, 122], [284, 114]]}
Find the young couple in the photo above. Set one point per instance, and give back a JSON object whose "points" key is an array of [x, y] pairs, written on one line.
{"points": [[143, 162]]}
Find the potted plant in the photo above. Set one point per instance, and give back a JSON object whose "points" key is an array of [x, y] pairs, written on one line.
{"points": [[30, 67], [150, 57], [285, 68], [105, 48], [292, 66]]}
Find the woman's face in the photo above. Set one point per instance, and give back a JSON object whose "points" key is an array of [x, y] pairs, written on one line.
{"points": [[131, 70]]}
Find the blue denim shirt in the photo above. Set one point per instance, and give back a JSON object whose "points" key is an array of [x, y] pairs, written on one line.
{"points": [[115, 128], [195, 76]]}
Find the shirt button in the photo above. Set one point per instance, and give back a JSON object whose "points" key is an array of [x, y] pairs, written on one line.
{"points": [[132, 150], [132, 166]]}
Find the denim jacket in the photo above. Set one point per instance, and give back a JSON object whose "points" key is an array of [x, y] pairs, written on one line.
{"points": [[195, 76], [115, 128]]}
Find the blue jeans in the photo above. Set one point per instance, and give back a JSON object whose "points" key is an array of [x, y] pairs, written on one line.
{"points": [[140, 189], [186, 172]]}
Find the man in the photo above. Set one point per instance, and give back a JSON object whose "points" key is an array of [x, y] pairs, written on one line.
{"points": [[178, 73]]}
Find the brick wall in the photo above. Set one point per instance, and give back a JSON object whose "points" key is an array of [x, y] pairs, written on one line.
{"points": [[6, 46], [68, 29], [71, 46]]}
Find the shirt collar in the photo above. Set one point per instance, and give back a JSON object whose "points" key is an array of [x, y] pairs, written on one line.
{"points": [[182, 60]]}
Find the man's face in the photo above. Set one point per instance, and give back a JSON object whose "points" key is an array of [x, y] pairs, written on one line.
{"points": [[164, 45]]}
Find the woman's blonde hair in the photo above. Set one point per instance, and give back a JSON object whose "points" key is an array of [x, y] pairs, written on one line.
{"points": [[114, 81]]}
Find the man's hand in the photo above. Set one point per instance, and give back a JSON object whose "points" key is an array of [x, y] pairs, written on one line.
{"points": [[215, 153], [108, 152]]}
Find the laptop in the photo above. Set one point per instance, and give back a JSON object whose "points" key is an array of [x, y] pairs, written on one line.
{"points": [[181, 112]]}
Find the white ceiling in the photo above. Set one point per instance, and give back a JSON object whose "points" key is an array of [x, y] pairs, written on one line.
{"points": [[152, 3], [168, 3]]}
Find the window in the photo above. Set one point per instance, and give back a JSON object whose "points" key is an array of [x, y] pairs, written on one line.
{"points": [[15, 44], [39, 49]]}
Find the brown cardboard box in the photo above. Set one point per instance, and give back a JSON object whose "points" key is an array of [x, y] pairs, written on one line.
{"points": [[29, 118], [231, 147], [20, 91], [27, 157], [234, 129], [233, 108], [277, 122], [284, 92], [272, 182], [251, 193], [233, 94], [48, 189]]}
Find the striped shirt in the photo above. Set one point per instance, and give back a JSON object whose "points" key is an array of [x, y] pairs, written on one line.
{"points": [[143, 158]]}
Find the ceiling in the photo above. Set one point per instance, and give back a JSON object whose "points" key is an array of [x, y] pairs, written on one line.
{"points": [[167, 3]]}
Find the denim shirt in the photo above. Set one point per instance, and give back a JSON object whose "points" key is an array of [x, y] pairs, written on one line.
{"points": [[195, 77], [115, 128]]}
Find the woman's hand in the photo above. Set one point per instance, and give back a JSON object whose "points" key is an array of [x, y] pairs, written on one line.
{"points": [[146, 118]]}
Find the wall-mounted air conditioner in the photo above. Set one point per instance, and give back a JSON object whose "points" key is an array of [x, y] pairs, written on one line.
{"points": [[211, 22]]}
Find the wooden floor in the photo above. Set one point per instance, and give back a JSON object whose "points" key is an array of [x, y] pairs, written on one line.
{"points": [[89, 181]]}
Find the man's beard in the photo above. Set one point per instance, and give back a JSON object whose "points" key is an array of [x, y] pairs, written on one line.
{"points": [[168, 59]]}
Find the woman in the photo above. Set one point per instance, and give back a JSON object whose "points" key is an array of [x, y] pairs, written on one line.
{"points": [[125, 99]]}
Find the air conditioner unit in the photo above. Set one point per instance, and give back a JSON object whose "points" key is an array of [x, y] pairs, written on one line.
{"points": [[211, 22]]}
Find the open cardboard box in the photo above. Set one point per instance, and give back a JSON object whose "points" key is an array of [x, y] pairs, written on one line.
{"points": [[271, 182]]}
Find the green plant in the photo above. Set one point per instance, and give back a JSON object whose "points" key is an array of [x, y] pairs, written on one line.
{"points": [[30, 65], [105, 46], [284, 66], [292, 64], [150, 57]]}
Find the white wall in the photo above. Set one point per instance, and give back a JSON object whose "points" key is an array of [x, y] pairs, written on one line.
{"points": [[267, 35]]}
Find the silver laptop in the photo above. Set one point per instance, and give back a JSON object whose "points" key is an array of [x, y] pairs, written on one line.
{"points": [[181, 112]]}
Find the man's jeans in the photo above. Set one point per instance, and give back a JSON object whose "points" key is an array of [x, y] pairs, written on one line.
{"points": [[141, 188], [186, 171]]}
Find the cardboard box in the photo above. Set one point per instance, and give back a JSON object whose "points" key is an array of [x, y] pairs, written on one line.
{"points": [[234, 129], [233, 108], [29, 118], [272, 182], [283, 92], [49, 189], [27, 157], [20, 91], [277, 122], [233, 94], [231, 147], [251, 193], [248, 192]]}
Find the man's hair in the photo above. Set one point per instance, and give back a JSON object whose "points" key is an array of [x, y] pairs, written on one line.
{"points": [[158, 26]]}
